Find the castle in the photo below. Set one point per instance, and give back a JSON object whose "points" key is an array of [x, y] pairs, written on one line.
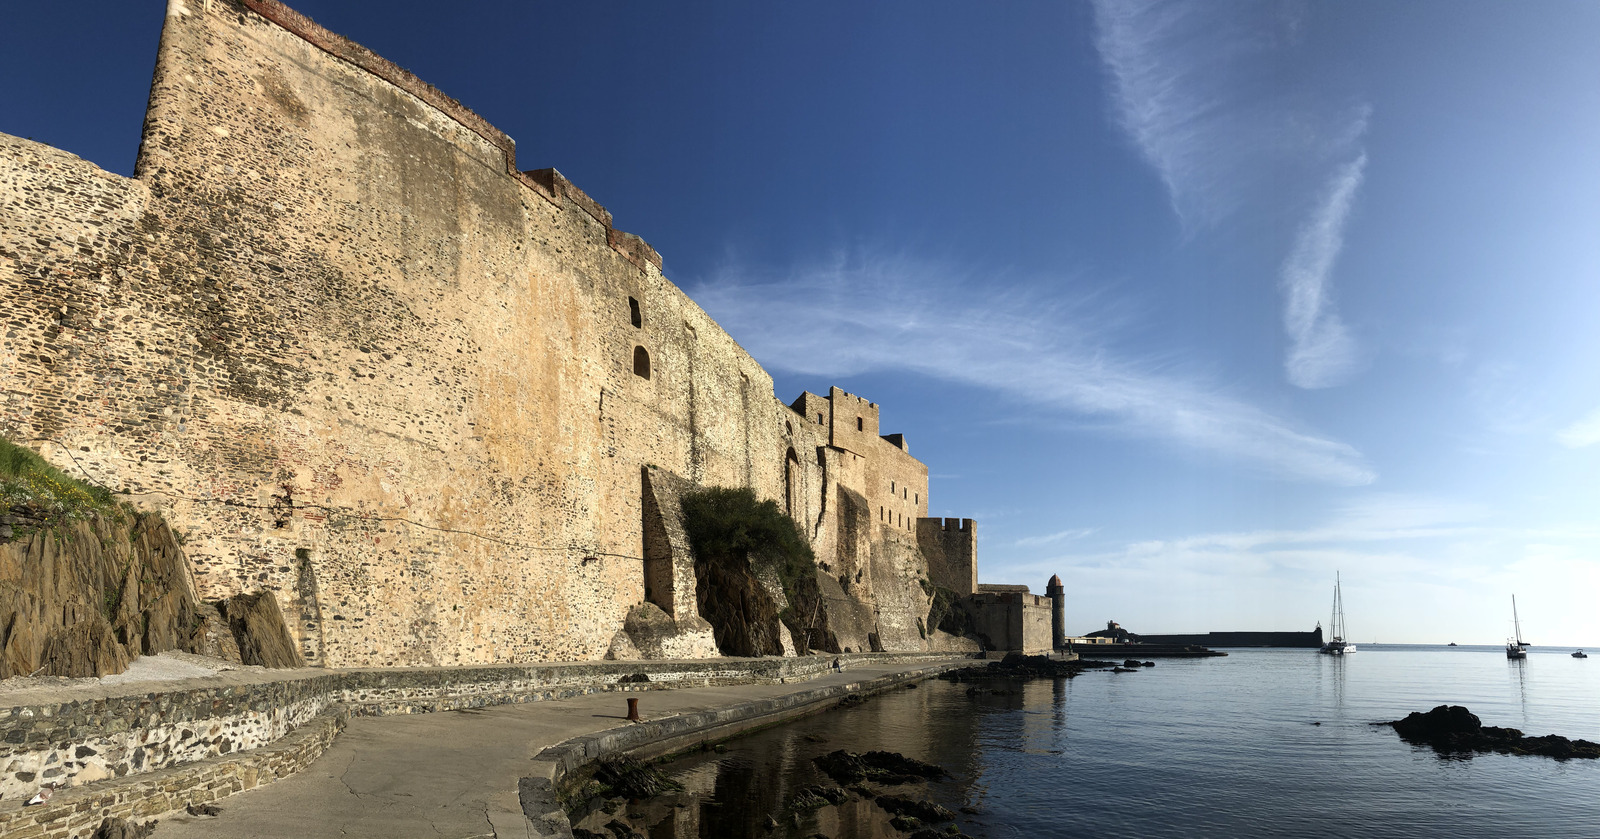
{"points": [[439, 406]]}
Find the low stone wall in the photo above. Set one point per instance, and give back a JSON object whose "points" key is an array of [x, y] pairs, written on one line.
{"points": [[149, 753], [78, 812], [82, 741]]}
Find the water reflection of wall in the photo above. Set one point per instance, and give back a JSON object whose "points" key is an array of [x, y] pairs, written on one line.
{"points": [[733, 794]]}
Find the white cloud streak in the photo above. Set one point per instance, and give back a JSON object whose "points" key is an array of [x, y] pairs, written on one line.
{"points": [[1188, 87], [1193, 85], [1053, 538], [871, 314], [1583, 433], [1321, 352]]}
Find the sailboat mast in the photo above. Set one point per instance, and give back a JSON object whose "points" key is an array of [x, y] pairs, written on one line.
{"points": [[1516, 622]]}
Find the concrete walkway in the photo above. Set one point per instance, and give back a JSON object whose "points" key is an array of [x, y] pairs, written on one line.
{"points": [[451, 774]]}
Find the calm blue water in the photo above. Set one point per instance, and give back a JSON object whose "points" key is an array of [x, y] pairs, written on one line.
{"points": [[1221, 747]]}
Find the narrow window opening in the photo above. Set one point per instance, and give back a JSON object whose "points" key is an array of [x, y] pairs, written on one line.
{"points": [[819, 419], [641, 363], [633, 312], [860, 425], [891, 487]]}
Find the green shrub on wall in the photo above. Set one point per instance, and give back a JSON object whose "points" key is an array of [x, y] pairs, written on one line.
{"points": [[731, 532], [726, 523]]}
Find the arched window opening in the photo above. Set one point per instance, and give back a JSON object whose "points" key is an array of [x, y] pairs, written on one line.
{"points": [[791, 482], [641, 363], [633, 312]]}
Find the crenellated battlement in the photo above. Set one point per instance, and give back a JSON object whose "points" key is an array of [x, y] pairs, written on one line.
{"points": [[546, 183]]}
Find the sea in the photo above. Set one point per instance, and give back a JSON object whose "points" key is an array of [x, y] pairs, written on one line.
{"points": [[1260, 743]]}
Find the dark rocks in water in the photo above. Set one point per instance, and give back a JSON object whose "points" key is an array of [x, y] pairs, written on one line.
{"points": [[1452, 730], [814, 738], [1132, 662], [926, 811], [905, 824], [1149, 664], [623, 830], [1124, 669], [813, 797], [1019, 666], [878, 767], [850, 701], [630, 778], [114, 827], [258, 626], [930, 833]]}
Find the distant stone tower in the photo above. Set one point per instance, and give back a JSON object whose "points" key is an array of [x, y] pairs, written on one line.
{"points": [[1058, 612]]}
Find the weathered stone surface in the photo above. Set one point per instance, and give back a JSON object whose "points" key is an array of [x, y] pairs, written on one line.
{"points": [[650, 633], [396, 374], [257, 625], [85, 598]]}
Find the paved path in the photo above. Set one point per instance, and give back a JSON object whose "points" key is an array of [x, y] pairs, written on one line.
{"points": [[453, 774]]}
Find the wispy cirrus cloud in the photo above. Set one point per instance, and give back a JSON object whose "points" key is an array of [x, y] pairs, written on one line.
{"points": [[1198, 88], [858, 314], [1583, 433], [1321, 351], [1054, 538]]}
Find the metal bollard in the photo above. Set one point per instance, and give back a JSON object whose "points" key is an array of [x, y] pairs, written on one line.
{"points": [[633, 710]]}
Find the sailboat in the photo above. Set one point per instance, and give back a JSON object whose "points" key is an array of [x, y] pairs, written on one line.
{"points": [[1516, 647], [1336, 644]]}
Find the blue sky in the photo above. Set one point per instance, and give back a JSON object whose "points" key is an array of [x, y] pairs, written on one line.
{"points": [[1193, 304]]}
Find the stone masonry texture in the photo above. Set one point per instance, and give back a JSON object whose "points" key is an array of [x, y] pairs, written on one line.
{"points": [[364, 362]]}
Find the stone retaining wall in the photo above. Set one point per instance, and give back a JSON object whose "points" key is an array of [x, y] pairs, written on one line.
{"points": [[76, 813]]}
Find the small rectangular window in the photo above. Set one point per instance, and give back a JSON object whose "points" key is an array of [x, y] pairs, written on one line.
{"points": [[860, 425]]}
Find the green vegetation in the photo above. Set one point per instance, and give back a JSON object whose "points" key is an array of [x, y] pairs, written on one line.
{"points": [[944, 612], [27, 481], [729, 524]]}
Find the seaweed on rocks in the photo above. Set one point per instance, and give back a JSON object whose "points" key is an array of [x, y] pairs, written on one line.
{"points": [[887, 768], [1454, 731], [631, 778]]}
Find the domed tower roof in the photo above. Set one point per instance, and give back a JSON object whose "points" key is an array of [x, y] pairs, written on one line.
{"points": [[1055, 580]]}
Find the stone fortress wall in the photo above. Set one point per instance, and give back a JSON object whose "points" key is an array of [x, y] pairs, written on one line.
{"points": [[366, 363]]}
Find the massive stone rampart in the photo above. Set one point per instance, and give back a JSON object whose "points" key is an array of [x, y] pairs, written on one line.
{"points": [[369, 365]]}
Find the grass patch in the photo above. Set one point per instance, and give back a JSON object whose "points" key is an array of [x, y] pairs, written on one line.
{"points": [[27, 481]]}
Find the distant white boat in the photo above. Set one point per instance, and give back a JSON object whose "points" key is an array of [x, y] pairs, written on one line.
{"points": [[1336, 644], [1516, 647]]}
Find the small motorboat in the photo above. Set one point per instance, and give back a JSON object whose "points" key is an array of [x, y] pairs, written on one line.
{"points": [[1580, 654], [1451, 644]]}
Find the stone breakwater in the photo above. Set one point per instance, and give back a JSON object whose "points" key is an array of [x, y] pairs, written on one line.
{"points": [[143, 754]]}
